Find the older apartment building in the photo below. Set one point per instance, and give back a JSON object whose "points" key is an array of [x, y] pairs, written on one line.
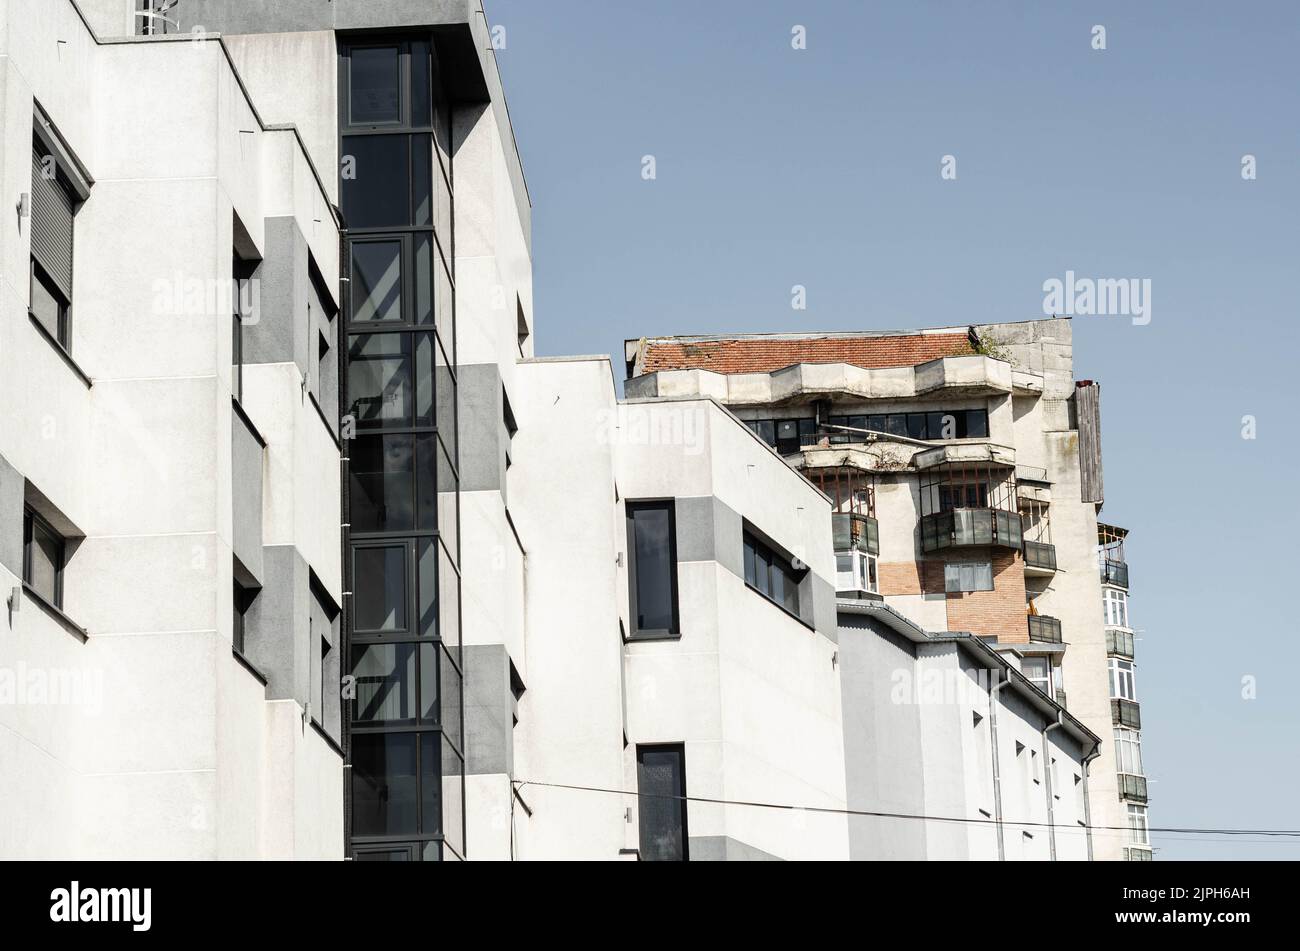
{"points": [[305, 554], [964, 468]]}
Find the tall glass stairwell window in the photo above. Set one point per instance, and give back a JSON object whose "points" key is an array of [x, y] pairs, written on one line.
{"points": [[404, 744]]}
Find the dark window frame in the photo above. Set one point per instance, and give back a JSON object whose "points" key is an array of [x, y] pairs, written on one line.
{"points": [[679, 749], [32, 522], [636, 631], [791, 577]]}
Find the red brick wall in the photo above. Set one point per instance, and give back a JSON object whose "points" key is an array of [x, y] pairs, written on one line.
{"points": [[1001, 611]]}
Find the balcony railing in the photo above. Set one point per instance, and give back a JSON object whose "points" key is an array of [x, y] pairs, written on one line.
{"points": [[1126, 713], [1040, 555], [962, 528], [852, 532], [1114, 572], [1133, 787], [1044, 629], [1119, 642]]}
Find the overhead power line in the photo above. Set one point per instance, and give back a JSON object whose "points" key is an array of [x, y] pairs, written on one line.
{"points": [[831, 810]]}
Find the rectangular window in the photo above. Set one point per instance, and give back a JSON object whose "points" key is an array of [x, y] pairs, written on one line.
{"points": [[1038, 670], [1115, 607], [43, 557], [53, 208], [652, 569], [243, 603], [1122, 683], [1137, 825], [661, 802], [1128, 751], [968, 576], [856, 571], [772, 575]]}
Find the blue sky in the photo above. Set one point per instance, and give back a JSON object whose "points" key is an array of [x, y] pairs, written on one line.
{"points": [[821, 167]]}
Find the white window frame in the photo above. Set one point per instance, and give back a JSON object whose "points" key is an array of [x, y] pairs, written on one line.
{"points": [[1123, 679], [1138, 829], [966, 576], [862, 574], [1128, 751], [1043, 683], [1114, 607]]}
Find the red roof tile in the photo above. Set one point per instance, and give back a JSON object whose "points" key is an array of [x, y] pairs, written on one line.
{"points": [[764, 354]]}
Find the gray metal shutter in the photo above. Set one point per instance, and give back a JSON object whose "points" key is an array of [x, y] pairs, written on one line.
{"points": [[52, 211]]}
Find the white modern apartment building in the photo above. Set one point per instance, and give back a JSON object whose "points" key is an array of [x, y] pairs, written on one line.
{"points": [[306, 555]]}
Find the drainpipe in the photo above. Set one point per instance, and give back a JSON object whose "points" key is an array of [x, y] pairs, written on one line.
{"points": [[994, 690], [1087, 800], [1047, 763]]}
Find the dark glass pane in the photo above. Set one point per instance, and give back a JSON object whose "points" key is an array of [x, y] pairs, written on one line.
{"points": [[857, 422], [916, 425], [428, 584], [450, 681], [421, 85], [382, 474], [807, 430], [429, 709], [787, 435], [977, 424], [376, 83], [777, 584], [391, 855], [660, 781], [379, 588], [453, 797], [652, 538], [762, 571], [896, 424], [790, 594], [422, 179], [424, 362], [424, 287], [750, 577], [384, 784], [379, 380], [427, 458], [877, 424], [767, 431], [934, 426], [376, 181], [430, 783], [376, 281], [385, 683]]}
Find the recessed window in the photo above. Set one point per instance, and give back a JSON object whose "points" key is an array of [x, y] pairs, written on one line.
{"points": [[54, 204], [1123, 685], [772, 575], [49, 306], [44, 551], [968, 576], [652, 574], [244, 597], [661, 803]]}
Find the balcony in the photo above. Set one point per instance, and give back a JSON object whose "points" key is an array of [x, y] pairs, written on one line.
{"points": [[1132, 787], [852, 532], [1040, 558], [1126, 713], [970, 527], [1119, 642], [1114, 572], [1137, 855], [1044, 629], [1060, 697]]}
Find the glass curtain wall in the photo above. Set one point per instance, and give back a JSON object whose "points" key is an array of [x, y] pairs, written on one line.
{"points": [[401, 480]]}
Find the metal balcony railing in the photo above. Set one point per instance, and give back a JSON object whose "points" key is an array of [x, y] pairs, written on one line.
{"points": [[1040, 555], [1119, 642], [966, 527], [850, 531], [1114, 572], [1133, 787], [1044, 629], [1126, 713]]}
